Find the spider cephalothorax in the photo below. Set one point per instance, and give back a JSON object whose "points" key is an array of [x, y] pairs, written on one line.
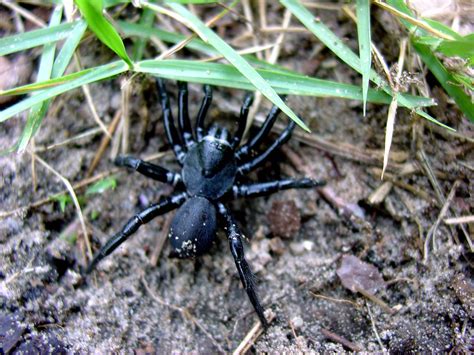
{"points": [[212, 165]]}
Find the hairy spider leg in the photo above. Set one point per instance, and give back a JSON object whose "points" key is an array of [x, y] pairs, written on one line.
{"points": [[183, 119], [150, 170], [259, 159], [206, 103], [242, 123], [143, 217], [234, 236], [244, 151], [170, 129], [268, 188]]}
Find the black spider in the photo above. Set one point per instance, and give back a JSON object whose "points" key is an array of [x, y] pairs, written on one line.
{"points": [[212, 165]]}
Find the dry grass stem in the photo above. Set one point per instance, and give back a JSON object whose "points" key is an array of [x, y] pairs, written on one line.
{"points": [[104, 143], [74, 199], [460, 220], [253, 335], [24, 13], [125, 109]]}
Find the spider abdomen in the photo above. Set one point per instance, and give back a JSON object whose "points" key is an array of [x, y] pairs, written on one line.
{"points": [[209, 168], [193, 228]]}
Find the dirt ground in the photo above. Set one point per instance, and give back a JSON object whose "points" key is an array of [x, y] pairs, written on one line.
{"points": [[410, 298]]}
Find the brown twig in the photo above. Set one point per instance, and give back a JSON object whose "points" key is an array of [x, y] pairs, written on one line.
{"points": [[341, 340]]}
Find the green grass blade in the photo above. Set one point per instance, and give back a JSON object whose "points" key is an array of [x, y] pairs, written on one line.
{"points": [[339, 48], [283, 82], [146, 21], [235, 59], [90, 76], [363, 32], [105, 32], [140, 30], [38, 111], [35, 38], [446, 79]]}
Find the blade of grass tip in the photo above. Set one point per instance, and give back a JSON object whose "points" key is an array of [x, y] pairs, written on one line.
{"points": [[234, 58], [30, 39], [363, 33], [38, 111], [392, 112], [91, 75], [334, 43], [105, 32]]}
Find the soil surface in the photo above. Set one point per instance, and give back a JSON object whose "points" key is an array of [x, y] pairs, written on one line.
{"points": [[339, 268]]}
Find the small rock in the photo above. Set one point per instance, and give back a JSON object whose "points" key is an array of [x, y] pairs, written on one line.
{"points": [[297, 322], [277, 246], [284, 218], [358, 275]]}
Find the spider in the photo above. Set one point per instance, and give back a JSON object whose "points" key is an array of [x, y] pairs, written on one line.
{"points": [[212, 167]]}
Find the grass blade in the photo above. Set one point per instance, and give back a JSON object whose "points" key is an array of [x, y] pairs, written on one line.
{"points": [[89, 76], [35, 38], [283, 82], [38, 111], [146, 21], [363, 32], [234, 58], [105, 32], [339, 48], [446, 79]]}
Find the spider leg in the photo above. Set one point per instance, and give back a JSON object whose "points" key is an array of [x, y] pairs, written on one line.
{"points": [[244, 112], [184, 123], [234, 236], [259, 159], [150, 170], [268, 188], [170, 129], [134, 223], [206, 102], [255, 141]]}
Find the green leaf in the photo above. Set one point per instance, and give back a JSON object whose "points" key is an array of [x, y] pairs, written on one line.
{"points": [[363, 32], [63, 200], [101, 186], [234, 58], [30, 39], [92, 12]]}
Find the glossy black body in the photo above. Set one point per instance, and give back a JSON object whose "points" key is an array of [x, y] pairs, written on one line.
{"points": [[212, 169]]}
